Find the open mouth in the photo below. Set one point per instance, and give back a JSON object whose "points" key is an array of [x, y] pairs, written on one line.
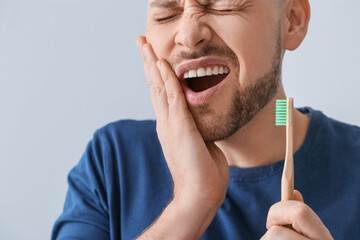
{"points": [[204, 78]]}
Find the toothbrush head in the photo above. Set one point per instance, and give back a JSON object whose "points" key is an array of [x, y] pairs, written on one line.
{"points": [[281, 112]]}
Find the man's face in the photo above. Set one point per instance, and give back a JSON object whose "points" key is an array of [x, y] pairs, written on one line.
{"points": [[236, 44]]}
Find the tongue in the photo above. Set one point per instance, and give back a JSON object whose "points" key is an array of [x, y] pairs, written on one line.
{"points": [[200, 84]]}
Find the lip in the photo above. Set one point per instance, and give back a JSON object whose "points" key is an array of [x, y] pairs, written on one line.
{"points": [[195, 64], [204, 96]]}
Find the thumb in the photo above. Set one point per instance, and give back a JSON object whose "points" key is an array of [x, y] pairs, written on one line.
{"points": [[298, 196]]}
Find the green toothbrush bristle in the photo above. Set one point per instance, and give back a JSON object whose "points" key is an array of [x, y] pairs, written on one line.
{"points": [[281, 112]]}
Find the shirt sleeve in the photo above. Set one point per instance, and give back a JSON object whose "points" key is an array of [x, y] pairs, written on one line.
{"points": [[85, 214]]}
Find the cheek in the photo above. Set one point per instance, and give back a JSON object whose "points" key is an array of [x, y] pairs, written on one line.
{"points": [[252, 41], [161, 39]]}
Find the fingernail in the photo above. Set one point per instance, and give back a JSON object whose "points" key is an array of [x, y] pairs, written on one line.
{"points": [[137, 42]]}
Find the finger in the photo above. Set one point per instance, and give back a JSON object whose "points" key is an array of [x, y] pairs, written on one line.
{"points": [[300, 216], [140, 42], [282, 233], [155, 82], [178, 109], [298, 196]]}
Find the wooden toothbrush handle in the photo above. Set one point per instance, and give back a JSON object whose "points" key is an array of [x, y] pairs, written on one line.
{"points": [[287, 180]]}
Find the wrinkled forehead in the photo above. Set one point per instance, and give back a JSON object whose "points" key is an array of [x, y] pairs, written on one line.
{"points": [[178, 3]]}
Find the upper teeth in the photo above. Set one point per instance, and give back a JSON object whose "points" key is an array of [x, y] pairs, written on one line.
{"points": [[208, 71]]}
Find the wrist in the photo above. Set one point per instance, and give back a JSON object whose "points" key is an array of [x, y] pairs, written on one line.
{"points": [[181, 219]]}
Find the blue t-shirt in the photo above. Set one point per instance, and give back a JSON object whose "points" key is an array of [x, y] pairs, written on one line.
{"points": [[122, 184]]}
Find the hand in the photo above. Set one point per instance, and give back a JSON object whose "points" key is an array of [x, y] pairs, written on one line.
{"points": [[294, 220], [199, 170]]}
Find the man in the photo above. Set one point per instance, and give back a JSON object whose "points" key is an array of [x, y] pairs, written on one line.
{"points": [[210, 166]]}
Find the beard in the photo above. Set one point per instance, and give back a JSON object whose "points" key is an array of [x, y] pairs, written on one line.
{"points": [[246, 103]]}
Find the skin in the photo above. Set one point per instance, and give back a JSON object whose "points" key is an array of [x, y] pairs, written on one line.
{"points": [[235, 127]]}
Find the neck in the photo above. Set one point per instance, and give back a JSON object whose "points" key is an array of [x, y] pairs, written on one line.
{"points": [[260, 142]]}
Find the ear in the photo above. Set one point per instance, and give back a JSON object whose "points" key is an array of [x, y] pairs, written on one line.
{"points": [[296, 22]]}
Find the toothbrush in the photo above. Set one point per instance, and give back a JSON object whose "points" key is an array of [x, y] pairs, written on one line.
{"points": [[283, 117]]}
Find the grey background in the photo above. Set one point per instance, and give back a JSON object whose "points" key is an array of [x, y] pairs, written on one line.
{"points": [[69, 67]]}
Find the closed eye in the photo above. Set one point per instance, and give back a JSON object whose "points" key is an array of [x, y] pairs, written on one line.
{"points": [[219, 11], [225, 10], [164, 19]]}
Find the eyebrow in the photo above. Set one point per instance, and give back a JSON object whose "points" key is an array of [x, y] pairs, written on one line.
{"points": [[164, 4]]}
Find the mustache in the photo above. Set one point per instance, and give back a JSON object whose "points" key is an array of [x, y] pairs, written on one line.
{"points": [[205, 51]]}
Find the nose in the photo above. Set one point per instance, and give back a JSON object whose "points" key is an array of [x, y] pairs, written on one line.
{"points": [[192, 33]]}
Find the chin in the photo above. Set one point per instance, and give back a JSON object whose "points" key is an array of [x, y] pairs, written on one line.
{"points": [[211, 124]]}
